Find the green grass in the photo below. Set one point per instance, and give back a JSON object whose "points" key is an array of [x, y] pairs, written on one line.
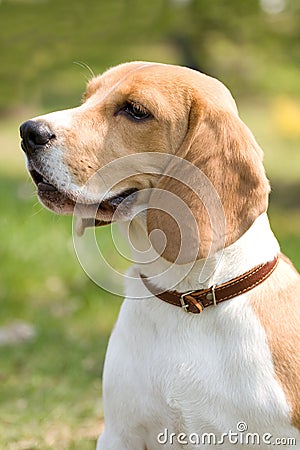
{"points": [[281, 149], [50, 387]]}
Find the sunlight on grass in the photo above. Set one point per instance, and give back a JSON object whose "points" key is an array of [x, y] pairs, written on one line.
{"points": [[281, 149]]}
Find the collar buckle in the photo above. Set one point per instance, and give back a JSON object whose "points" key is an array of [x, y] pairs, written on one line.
{"points": [[184, 305], [212, 295]]}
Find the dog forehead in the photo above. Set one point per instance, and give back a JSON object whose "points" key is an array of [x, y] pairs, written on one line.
{"points": [[149, 84], [167, 82], [139, 76]]}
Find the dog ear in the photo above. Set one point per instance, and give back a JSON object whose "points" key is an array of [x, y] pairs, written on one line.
{"points": [[212, 191]]}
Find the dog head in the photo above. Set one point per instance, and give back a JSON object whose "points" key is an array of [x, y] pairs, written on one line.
{"points": [[99, 158]]}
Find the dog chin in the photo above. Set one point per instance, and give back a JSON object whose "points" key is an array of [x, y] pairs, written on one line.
{"points": [[56, 202], [90, 213], [99, 214]]}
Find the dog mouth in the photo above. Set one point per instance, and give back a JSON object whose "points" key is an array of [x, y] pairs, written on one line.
{"points": [[41, 182], [90, 214]]}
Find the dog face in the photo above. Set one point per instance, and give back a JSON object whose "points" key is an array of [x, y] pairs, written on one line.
{"points": [[127, 110], [138, 109]]}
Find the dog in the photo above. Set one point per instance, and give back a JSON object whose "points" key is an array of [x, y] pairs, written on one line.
{"points": [[206, 347]]}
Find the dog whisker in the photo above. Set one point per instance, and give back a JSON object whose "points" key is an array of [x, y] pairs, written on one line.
{"points": [[85, 66]]}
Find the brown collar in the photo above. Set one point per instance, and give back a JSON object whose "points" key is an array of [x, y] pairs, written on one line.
{"points": [[195, 301]]}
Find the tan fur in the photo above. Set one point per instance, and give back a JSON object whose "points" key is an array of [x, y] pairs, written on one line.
{"points": [[196, 119], [99, 135], [277, 304], [223, 148]]}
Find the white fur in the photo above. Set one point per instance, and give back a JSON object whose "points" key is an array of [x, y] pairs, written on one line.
{"points": [[166, 369], [52, 164]]}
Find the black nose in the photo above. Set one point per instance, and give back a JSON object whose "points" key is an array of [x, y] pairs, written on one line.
{"points": [[35, 135]]}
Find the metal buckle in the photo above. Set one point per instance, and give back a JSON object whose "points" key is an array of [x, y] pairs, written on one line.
{"points": [[212, 295], [184, 305]]}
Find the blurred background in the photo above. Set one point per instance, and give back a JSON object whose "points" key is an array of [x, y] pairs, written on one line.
{"points": [[54, 322]]}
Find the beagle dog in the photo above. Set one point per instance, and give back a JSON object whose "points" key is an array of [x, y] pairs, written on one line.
{"points": [[205, 351]]}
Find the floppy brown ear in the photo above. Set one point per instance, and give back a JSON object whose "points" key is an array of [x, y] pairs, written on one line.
{"points": [[224, 190]]}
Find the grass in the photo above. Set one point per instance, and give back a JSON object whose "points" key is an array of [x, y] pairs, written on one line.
{"points": [[50, 387]]}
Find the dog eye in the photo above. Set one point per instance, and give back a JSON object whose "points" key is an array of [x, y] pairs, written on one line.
{"points": [[136, 111]]}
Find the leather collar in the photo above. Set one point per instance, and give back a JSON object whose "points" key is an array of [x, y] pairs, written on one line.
{"points": [[195, 301]]}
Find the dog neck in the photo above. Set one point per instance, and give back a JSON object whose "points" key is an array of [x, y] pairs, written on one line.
{"points": [[256, 246]]}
